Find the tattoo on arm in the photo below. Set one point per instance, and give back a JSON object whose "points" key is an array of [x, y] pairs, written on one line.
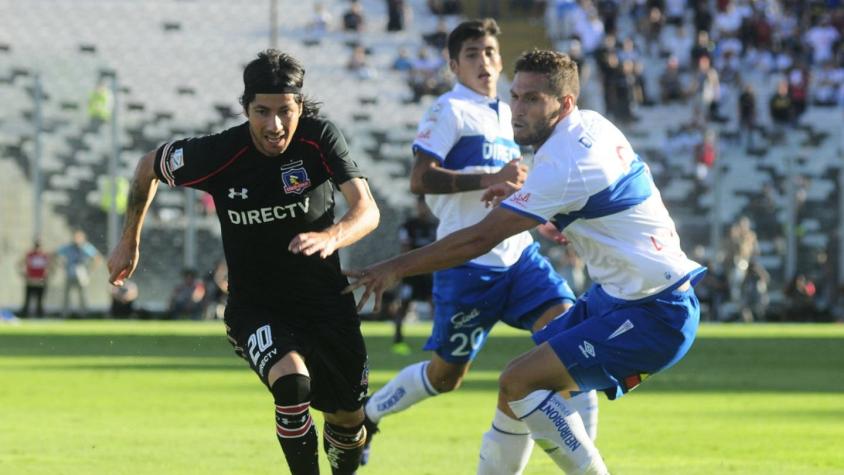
{"points": [[440, 181]]}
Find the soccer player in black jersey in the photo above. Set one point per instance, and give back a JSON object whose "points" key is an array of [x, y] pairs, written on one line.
{"points": [[273, 179]]}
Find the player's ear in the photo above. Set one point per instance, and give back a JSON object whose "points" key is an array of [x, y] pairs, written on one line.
{"points": [[452, 65]]}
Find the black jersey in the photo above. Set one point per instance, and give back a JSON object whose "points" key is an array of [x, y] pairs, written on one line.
{"points": [[262, 203]]}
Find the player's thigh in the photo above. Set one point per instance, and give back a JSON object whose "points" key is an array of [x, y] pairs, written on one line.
{"points": [[538, 368], [263, 340], [467, 304], [338, 364], [533, 289], [549, 314]]}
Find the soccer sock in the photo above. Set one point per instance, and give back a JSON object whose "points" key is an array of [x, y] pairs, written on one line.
{"points": [[410, 386], [557, 428], [294, 427], [343, 447], [586, 404], [505, 447]]}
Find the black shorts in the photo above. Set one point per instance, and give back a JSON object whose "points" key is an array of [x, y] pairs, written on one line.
{"points": [[334, 352]]}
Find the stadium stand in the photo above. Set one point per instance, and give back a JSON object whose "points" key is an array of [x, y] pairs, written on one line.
{"points": [[178, 64]]}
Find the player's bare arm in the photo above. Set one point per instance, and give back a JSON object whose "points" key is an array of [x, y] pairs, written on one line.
{"points": [[428, 177], [124, 257], [361, 218], [454, 249]]}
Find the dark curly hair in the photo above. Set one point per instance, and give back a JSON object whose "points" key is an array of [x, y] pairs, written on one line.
{"points": [[559, 68]]}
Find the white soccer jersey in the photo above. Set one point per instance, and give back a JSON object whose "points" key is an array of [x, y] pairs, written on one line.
{"points": [[587, 180], [470, 133]]}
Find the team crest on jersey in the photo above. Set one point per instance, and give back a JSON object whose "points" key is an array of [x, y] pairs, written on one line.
{"points": [[295, 178]]}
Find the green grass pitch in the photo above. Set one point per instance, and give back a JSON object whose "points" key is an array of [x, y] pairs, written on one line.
{"points": [[103, 397]]}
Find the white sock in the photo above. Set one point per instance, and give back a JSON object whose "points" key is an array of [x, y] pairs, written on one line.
{"points": [[505, 447], [586, 404], [557, 428], [410, 386]]}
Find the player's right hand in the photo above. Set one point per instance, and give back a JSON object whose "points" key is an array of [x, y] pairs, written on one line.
{"points": [[496, 193], [122, 262], [515, 172]]}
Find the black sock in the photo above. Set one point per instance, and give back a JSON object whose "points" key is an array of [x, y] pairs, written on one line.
{"points": [[343, 446], [295, 429]]}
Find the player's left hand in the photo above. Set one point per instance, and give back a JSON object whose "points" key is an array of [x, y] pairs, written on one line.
{"points": [[311, 243], [375, 280]]}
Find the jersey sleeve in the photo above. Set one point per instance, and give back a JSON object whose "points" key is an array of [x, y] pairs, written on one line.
{"points": [[336, 154], [438, 131], [551, 188], [193, 162]]}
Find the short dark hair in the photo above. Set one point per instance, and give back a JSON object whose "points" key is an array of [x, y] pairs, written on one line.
{"points": [[559, 68], [470, 30], [273, 70]]}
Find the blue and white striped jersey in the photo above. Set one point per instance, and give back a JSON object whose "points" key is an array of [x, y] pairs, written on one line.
{"points": [[470, 133], [587, 180]]}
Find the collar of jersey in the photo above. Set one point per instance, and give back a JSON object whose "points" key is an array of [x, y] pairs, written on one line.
{"points": [[570, 121], [464, 92]]}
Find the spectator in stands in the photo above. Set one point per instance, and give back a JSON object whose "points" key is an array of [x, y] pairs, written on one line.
{"points": [[798, 91], [705, 155], [439, 37], [403, 61], [217, 291], [35, 267], [703, 47], [781, 110], [801, 292], [560, 19], [706, 90], [671, 82], [320, 22], [79, 257], [430, 75], [358, 64], [821, 38], [827, 84], [678, 45], [187, 297], [445, 7], [397, 15], [754, 292], [100, 103], [712, 291], [653, 28], [353, 18], [742, 246], [747, 115], [123, 300]]}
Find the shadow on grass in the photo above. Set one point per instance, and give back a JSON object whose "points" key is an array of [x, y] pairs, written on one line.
{"points": [[798, 364]]}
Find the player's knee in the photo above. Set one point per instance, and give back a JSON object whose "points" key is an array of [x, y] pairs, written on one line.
{"points": [[511, 385], [446, 381], [345, 418], [291, 389]]}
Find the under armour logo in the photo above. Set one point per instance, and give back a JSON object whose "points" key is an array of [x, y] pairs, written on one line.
{"points": [[241, 193]]}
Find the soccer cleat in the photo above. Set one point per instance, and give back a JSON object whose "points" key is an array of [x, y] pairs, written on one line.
{"points": [[371, 430]]}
